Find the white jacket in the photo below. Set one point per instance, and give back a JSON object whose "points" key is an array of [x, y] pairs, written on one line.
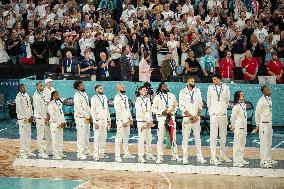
{"points": [[40, 105], [99, 108], [122, 109], [143, 109], [239, 116], [216, 107], [47, 93], [23, 106], [56, 113], [263, 111], [159, 105], [81, 105], [190, 101]]}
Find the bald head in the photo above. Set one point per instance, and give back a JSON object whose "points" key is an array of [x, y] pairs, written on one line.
{"points": [[120, 88]]}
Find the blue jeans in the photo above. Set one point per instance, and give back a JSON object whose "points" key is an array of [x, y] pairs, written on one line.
{"points": [[16, 59]]}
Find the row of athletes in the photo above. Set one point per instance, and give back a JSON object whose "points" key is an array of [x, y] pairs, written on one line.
{"points": [[49, 118]]}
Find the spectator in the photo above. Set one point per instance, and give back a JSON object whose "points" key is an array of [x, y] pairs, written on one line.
{"points": [[14, 48], [161, 48], [280, 48], [126, 67], [249, 67], [208, 63], [134, 48], [168, 68], [40, 49], [239, 44], [4, 57], [192, 67], [145, 68], [54, 48], [214, 45], [173, 45], [88, 66], [226, 66], [268, 47], [274, 68], [103, 64], [248, 30], [184, 50], [261, 33], [70, 64]]}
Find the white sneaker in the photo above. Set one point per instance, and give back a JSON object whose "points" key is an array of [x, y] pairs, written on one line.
{"points": [[104, 156], [141, 160], [201, 160], [176, 158], [96, 158], [265, 164], [31, 154], [88, 152], [118, 159], [150, 156], [43, 155], [57, 157], [225, 159], [245, 162], [128, 156], [23, 156], [214, 161], [159, 160], [238, 164], [185, 161], [81, 156], [272, 162], [62, 155]]}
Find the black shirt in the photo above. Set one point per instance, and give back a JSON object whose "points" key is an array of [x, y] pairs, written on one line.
{"points": [[86, 63], [192, 64], [248, 32], [16, 50]]}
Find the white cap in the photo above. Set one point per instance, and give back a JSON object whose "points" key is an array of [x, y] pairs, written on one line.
{"points": [[48, 80]]}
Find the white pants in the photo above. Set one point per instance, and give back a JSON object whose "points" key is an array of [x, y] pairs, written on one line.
{"points": [[221, 122], [25, 137], [265, 136], [238, 59], [43, 130], [240, 135], [56, 138], [122, 135], [100, 136], [161, 136], [144, 135], [160, 58], [186, 130], [83, 135]]}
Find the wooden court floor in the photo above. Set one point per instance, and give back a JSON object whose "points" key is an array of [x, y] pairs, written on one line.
{"points": [[103, 179]]}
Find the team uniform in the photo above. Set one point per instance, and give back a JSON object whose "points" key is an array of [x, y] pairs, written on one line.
{"points": [[101, 116], [218, 98], [191, 101], [43, 130], [24, 112], [143, 117], [123, 116], [239, 123], [56, 118], [263, 119], [161, 103], [47, 93], [82, 114]]}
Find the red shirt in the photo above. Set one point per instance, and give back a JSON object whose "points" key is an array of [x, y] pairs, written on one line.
{"points": [[276, 68], [226, 68], [251, 67]]}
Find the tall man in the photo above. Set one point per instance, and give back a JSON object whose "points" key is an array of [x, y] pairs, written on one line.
{"points": [[101, 120], [263, 120], [42, 120], [25, 118], [218, 97], [144, 124], [57, 123], [190, 103], [165, 104], [48, 89], [123, 122], [83, 119]]}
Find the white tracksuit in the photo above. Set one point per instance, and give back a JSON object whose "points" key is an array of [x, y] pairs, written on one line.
{"points": [[218, 116], [101, 116], [40, 114], [143, 116], [263, 119], [24, 112], [81, 114], [190, 101], [162, 102], [56, 118], [123, 115], [47, 93], [239, 123]]}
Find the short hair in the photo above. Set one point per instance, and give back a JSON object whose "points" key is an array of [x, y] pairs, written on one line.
{"points": [[263, 87], [19, 86], [146, 55], [237, 96], [206, 48], [39, 82], [52, 94], [123, 49], [97, 86], [159, 89], [141, 87], [190, 77], [76, 84], [217, 75]]}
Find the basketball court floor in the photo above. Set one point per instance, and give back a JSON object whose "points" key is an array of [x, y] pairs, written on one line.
{"points": [[71, 173]]}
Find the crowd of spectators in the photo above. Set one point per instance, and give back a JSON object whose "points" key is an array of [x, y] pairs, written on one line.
{"points": [[110, 39]]}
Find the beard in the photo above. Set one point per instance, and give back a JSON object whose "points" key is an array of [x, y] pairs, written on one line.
{"points": [[83, 90], [191, 85], [122, 91], [165, 91], [100, 93]]}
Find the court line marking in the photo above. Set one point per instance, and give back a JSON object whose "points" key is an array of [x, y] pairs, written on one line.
{"points": [[277, 145], [168, 180], [79, 186]]}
